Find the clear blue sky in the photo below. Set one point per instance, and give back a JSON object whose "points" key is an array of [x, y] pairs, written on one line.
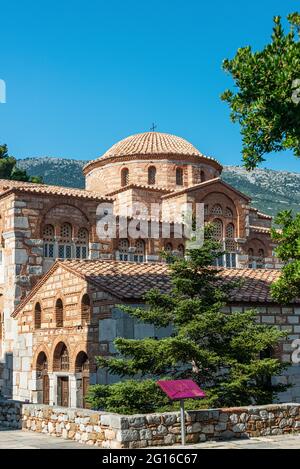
{"points": [[82, 75]]}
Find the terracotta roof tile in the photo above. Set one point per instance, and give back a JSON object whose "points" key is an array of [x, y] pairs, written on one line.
{"points": [[141, 186], [260, 229], [201, 185], [7, 186], [135, 279], [130, 281], [151, 143], [264, 215]]}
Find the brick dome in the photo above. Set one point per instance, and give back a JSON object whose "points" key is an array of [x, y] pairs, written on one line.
{"points": [[152, 143], [149, 144]]}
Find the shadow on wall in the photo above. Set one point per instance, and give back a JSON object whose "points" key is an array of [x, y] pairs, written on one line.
{"points": [[10, 414], [6, 376]]}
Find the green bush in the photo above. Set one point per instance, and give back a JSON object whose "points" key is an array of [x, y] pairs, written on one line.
{"points": [[138, 397], [127, 397]]}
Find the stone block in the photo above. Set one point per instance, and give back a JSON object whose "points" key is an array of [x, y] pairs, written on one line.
{"points": [[268, 319], [21, 256], [127, 435], [208, 429], [239, 428], [293, 319], [21, 222]]}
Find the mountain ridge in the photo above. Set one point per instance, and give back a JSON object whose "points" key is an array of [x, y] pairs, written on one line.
{"points": [[270, 190]]}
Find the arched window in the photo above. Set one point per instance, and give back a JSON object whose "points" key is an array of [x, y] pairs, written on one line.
{"points": [[250, 252], [202, 175], [85, 309], [169, 251], [82, 245], [65, 246], [261, 253], [218, 229], [179, 176], [169, 248], [230, 230], [37, 316], [41, 363], [43, 378], [61, 358], [217, 210], [48, 238], [123, 249], [151, 175], [81, 362], [59, 313], [124, 177], [228, 212], [230, 245], [66, 232], [82, 378], [181, 250], [139, 255]]}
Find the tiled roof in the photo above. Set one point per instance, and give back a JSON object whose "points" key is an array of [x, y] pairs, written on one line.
{"points": [[141, 186], [260, 229], [7, 186], [260, 214], [264, 215], [255, 285], [130, 281], [205, 184], [151, 143]]}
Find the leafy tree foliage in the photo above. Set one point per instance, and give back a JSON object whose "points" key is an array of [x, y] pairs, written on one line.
{"points": [[9, 169], [218, 350], [288, 250], [263, 104]]}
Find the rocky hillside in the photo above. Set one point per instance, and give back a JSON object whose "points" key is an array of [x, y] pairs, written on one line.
{"points": [[271, 191]]}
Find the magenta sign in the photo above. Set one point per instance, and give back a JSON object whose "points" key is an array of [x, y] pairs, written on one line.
{"points": [[180, 389]]}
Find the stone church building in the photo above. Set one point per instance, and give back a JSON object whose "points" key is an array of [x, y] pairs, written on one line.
{"points": [[61, 281]]}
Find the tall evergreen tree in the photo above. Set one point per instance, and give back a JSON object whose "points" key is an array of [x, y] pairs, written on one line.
{"points": [[220, 351], [10, 170], [287, 239], [266, 99]]}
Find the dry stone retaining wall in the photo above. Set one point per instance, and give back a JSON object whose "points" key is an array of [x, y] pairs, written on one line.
{"points": [[108, 430], [10, 414]]}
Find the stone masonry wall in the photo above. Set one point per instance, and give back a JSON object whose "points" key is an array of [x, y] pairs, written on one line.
{"points": [[10, 414], [138, 431]]}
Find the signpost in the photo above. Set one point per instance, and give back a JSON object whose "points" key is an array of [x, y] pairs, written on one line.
{"points": [[179, 390]]}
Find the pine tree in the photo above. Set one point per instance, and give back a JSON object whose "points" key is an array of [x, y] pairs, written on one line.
{"points": [[287, 239], [265, 100], [222, 352], [9, 169]]}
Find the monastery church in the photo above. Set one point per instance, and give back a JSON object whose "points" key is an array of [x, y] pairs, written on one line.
{"points": [[61, 283]]}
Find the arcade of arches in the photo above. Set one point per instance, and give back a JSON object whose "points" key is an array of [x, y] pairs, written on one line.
{"points": [[63, 383]]}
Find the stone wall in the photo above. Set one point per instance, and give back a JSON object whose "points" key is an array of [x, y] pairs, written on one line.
{"points": [[139, 431], [10, 414]]}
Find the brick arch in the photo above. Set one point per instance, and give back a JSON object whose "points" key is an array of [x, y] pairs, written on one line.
{"points": [[60, 338], [41, 348], [219, 198], [83, 292], [256, 244], [45, 217], [81, 347], [231, 200]]}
